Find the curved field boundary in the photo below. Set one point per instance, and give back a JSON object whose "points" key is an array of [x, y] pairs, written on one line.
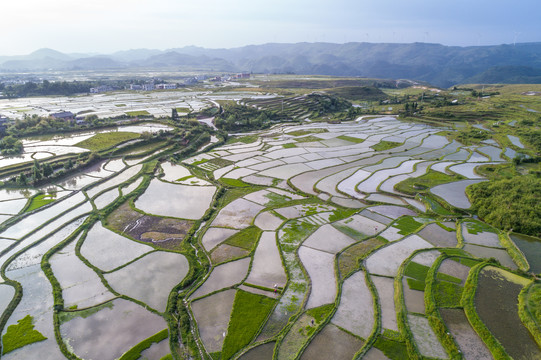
{"points": [[401, 311], [512, 249], [468, 302], [433, 315], [527, 318], [371, 340]]}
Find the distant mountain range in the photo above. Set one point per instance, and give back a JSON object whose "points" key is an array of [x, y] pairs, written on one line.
{"points": [[437, 64]]}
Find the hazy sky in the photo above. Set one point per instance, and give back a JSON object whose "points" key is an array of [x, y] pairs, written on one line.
{"points": [[109, 25]]}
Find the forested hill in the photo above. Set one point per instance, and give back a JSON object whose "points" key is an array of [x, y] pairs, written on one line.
{"points": [[434, 63]]}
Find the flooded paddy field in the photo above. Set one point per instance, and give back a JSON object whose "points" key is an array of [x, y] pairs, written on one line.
{"points": [[531, 248], [305, 216], [496, 301]]}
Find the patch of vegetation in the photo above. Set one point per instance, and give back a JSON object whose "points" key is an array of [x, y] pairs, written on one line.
{"points": [[415, 284], [66, 316], [393, 349], [407, 225], [349, 260], [306, 132], [138, 113], [21, 334], [185, 178], [102, 141], [529, 301], [318, 314], [39, 201], [307, 139], [340, 214], [276, 199], [469, 262], [474, 227], [220, 162], [248, 314], [289, 146], [497, 171], [447, 294], [509, 203], [446, 228], [419, 272], [435, 206], [135, 352], [359, 93], [10, 145], [423, 183], [234, 182], [245, 238], [471, 135], [247, 139], [351, 139], [385, 145], [236, 117], [236, 192], [352, 233]]}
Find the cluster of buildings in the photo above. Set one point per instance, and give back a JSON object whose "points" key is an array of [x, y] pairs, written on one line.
{"points": [[231, 77], [151, 86], [101, 89]]}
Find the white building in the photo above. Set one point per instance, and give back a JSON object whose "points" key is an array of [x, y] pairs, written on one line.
{"points": [[148, 87], [100, 89], [165, 86]]}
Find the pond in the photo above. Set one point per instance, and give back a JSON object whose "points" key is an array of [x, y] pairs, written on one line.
{"points": [[515, 140], [173, 172], [180, 201], [531, 248], [107, 250], [81, 286], [151, 278], [30, 222], [122, 320], [496, 303], [454, 193]]}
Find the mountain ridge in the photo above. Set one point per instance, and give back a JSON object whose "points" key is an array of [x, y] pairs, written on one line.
{"points": [[437, 64]]}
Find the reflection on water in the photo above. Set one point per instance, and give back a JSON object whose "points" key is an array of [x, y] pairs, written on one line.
{"points": [[531, 248]]}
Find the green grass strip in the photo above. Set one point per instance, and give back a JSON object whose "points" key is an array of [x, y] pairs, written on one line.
{"points": [[415, 284], [351, 139], [39, 201], [468, 302], [393, 349], [135, 352], [249, 312], [407, 225], [385, 145], [529, 309], [419, 272], [433, 315], [447, 294], [245, 238], [21, 334], [137, 113], [234, 182], [102, 141], [515, 253]]}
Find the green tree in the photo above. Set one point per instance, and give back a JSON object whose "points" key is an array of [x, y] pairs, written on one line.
{"points": [[68, 164], [36, 173], [21, 179], [47, 170]]}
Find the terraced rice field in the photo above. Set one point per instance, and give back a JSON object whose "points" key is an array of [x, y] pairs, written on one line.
{"points": [[347, 262]]}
